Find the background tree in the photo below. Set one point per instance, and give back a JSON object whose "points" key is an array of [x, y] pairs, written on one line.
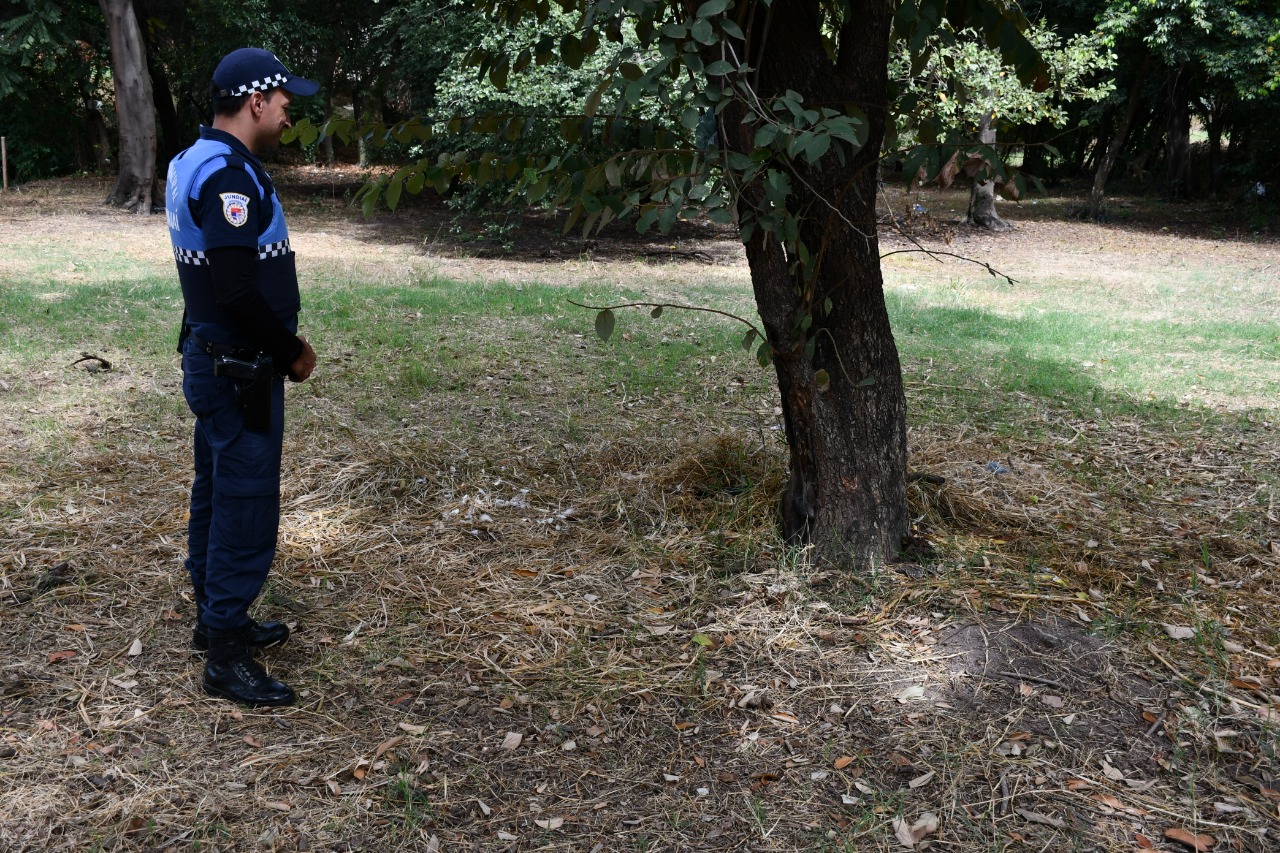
{"points": [[137, 188], [55, 100]]}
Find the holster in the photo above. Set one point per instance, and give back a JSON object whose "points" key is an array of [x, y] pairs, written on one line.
{"points": [[253, 381]]}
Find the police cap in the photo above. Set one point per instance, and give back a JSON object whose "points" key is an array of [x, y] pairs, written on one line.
{"points": [[252, 69]]}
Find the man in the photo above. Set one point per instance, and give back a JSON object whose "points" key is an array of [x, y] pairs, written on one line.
{"points": [[239, 340]]}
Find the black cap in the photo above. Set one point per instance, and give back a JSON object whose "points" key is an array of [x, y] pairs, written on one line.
{"points": [[252, 69]]}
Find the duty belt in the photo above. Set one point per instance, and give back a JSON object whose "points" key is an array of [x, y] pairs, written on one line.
{"points": [[219, 350]]}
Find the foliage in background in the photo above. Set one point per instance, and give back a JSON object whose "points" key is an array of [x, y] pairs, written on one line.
{"points": [[55, 89]]}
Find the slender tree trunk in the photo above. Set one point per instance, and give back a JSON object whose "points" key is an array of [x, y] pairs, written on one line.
{"points": [[982, 198], [136, 186], [1177, 162], [1107, 161], [846, 494], [1217, 120]]}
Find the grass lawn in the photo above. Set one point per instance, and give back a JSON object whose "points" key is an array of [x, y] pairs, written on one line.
{"points": [[538, 595]]}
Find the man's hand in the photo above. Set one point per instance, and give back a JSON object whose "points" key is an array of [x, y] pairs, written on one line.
{"points": [[301, 369]]}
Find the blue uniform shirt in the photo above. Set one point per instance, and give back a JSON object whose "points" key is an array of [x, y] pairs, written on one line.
{"points": [[219, 195]]}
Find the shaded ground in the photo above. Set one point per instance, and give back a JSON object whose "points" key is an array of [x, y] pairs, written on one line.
{"points": [[537, 614]]}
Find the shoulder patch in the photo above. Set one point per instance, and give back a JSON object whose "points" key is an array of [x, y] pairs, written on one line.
{"points": [[235, 208]]}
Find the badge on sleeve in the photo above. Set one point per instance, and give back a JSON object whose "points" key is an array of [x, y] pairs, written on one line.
{"points": [[235, 208]]}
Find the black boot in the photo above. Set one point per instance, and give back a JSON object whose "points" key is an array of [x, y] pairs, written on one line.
{"points": [[262, 635], [232, 673]]}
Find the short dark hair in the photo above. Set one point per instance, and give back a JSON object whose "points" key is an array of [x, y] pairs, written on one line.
{"points": [[232, 104]]}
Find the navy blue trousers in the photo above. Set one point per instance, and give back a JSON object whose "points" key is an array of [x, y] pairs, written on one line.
{"points": [[235, 498]]}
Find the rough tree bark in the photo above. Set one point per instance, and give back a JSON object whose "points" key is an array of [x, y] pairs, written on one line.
{"points": [[1177, 159], [982, 198], [846, 494], [1107, 161], [136, 186]]}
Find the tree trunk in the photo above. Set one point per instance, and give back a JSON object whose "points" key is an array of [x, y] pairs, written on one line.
{"points": [[1107, 161], [982, 198], [136, 186], [1217, 120], [1177, 161], [846, 494]]}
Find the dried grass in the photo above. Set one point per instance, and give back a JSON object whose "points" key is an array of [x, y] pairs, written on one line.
{"points": [[677, 678]]}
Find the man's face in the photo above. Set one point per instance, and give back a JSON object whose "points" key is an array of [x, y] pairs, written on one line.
{"points": [[274, 118]]}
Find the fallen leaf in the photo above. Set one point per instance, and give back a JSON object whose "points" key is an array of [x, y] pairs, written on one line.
{"points": [[703, 640], [1036, 817], [1179, 632], [278, 806], [569, 745], [56, 657], [910, 836], [1143, 842], [551, 823], [922, 780], [1110, 801], [843, 761], [659, 630], [912, 693], [785, 716], [512, 740], [1111, 772], [1026, 690], [135, 648], [484, 808], [385, 745], [1078, 785], [1052, 701], [1198, 842], [506, 836], [1234, 648], [411, 728], [253, 741]]}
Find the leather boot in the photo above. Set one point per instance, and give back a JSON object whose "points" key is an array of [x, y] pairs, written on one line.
{"points": [[262, 635], [232, 673]]}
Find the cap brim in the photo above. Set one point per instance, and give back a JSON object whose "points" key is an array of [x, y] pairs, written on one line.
{"points": [[300, 86]]}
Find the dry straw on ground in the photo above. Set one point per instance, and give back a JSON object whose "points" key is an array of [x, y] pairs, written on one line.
{"points": [[506, 640]]}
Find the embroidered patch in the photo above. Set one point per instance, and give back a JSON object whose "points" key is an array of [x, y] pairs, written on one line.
{"points": [[235, 208]]}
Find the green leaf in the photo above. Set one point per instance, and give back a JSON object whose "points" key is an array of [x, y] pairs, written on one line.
{"points": [[656, 312], [867, 382], [703, 640], [498, 73], [731, 29], [749, 339], [719, 67], [765, 136], [630, 71], [712, 7], [604, 324], [646, 220], [764, 354], [667, 219], [822, 380], [571, 51], [393, 192], [702, 32]]}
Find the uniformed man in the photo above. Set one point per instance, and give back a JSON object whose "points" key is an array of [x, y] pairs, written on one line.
{"points": [[239, 340]]}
